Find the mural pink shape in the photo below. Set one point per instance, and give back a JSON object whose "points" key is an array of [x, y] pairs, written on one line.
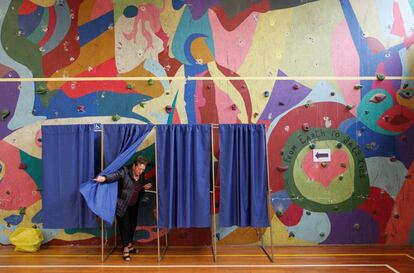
{"points": [[345, 62], [17, 189], [325, 175]]}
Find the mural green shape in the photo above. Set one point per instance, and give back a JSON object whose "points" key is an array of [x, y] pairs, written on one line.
{"points": [[355, 181], [338, 191]]}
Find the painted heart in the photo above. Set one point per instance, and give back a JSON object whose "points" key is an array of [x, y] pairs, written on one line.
{"points": [[326, 174]]}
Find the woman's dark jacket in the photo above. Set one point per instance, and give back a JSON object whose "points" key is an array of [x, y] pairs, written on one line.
{"points": [[126, 186]]}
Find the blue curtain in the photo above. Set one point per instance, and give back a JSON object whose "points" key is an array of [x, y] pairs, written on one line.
{"points": [[183, 175], [68, 160], [120, 143], [243, 176]]}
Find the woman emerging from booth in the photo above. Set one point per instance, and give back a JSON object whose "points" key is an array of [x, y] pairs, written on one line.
{"points": [[131, 181]]}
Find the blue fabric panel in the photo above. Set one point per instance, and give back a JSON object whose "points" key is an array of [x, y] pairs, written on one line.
{"points": [[68, 160], [183, 175], [120, 143], [243, 176]]}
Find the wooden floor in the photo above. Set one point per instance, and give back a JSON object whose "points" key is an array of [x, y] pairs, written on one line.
{"points": [[230, 259]]}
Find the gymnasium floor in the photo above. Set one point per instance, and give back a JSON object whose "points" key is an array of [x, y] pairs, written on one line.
{"points": [[230, 259]]}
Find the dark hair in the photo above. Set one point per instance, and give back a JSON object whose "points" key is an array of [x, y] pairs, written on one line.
{"points": [[140, 160]]}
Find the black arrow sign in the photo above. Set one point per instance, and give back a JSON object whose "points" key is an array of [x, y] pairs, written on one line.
{"points": [[320, 155]]}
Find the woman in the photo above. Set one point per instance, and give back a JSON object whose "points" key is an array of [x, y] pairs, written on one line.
{"points": [[131, 181]]}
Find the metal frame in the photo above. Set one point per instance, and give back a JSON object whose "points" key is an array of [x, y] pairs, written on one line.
{"points": [[259, 231], [164, 250], [213, 228], [103, 233]]}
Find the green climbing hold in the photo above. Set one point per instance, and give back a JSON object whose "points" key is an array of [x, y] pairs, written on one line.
{"points": [[380, 77], [116, 117], [41, 90], [279, 213], [4, 114], [130, 86], [349, 106], [142, 104], [150, 82], [312, 146], [22, 211]]}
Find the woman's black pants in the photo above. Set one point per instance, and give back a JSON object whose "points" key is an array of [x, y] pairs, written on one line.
{"points": [[127, 225]]}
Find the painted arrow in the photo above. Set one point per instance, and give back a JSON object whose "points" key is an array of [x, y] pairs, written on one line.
{"points": [[319, 155]]}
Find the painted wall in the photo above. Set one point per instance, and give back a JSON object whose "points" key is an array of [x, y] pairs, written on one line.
{"points": [[329, 51]]}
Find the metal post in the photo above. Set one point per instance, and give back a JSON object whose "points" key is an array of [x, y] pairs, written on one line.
{"points": [[214, 232], [269, 204]]}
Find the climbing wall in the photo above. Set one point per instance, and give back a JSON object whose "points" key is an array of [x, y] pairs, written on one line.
{"points": [[331, 80]]}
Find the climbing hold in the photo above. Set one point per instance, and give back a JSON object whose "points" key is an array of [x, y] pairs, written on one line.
{"points": [[332, 93], [405, 85], [41, 90], [243, 86], [208, 86], [363, 128], [282, 168], [150, 82], [130, 86], [322, 234], [22, 166], [343, 165], [386, 117], [357, 86], [308, 212], [142, 105], [378, 98], [80, 108], [281, 103], [296, 86], [380, 77], [305, 126], [168, 108], [366, 112], [357, 226], [255, 115], [324, 164], [396, 215], [8, 192], [39, 139], [266, 94], [341, 177], [234, 107], [291, 234], [408, 176], [307, 105], [167, 93], [116, 117], [393, 158], [312, 146], [281, 152], [279, 213], [339, 145], [349, 106], [4, 114], [22, 211]]}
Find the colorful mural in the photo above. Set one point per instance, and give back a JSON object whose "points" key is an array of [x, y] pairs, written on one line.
{"points": [[319, 74]]}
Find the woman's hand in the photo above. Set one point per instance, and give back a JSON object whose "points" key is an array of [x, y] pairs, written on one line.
{"points": [[100, 179], [147, 186]]}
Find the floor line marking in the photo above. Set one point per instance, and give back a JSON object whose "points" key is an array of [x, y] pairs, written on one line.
{"points": [[202, 266], [219, 255], [392, 269]]}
